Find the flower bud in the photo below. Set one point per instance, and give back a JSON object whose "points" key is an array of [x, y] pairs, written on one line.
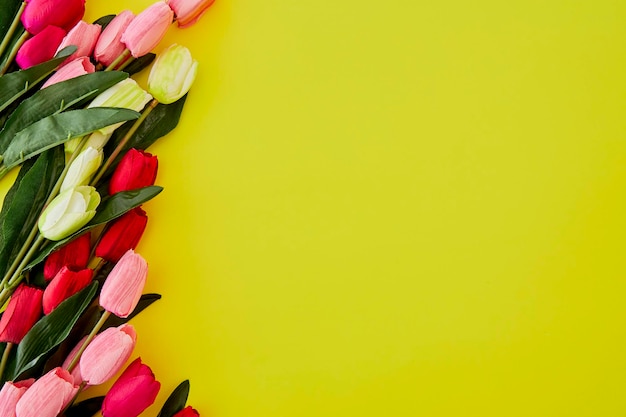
{"points": [[187, 412], [48, 396], [75, 68], [107, 353], [62, 13], [147, 29], [137, 169], [187, 12], [22, 312], [84, 36], [10, 394], [82, 168], [74, 255], [172, 74], [40, 48], [96, 140], [122, 289], [68, 212], [133, 392], [65, 284], [121, 235], [109, 45]]}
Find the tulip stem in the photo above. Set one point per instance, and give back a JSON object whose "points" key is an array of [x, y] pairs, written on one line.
{"points": [[13, 53], [118, 60], [11, 31], [120, 146], [5, 357], [126, 63], [90, 337]]}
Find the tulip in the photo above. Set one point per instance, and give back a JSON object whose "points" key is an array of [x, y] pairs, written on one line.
{"points": [[10, 394], [133, 392], [123, 234], [82, 168], [109, 45], [187, 412], [96, 140], [187, 12], [122, 289], [76, 374], [48, 396], [40, 48], [68, 212], [62, 13], [147, 29], [107, 353], [22, 312], [65, 284], [84, 36], [136, 169], [74, 255], [172, 74], [75, 68]]}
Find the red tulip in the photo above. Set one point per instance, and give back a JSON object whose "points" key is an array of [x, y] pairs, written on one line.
{"points": [[84, 36], [109, 45], [74, 255], [62, 13], [134, 391], [122, 289], [75, 68], [40, 48], [66, 283], [123, 234], [136, 169], [147, 29], [48, 396], [187, 412], [10, 394], [107, 353], [187, 12], [22, 312]]}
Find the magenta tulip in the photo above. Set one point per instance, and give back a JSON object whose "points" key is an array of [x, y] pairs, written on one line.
{"points": [[40, 48], [22, 312], [147, 29], [48, 396], [62, 13], [133, 392], [122, 289], [137, 169], [187, 412], [10, 394], [74, 255], [109, 45], [122, 234], [84, 37], [107, 353], [75, 68], [66, 283], [187, 12]]}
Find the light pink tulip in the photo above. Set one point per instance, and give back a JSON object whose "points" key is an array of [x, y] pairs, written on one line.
{"points": [[107, 353], [133, 392], [147, 29], [109, 45], [75, 68], [10, 394], [76, 373], [187, 12], [48, 396], [122, 289], [84, 36], [40, 48]]}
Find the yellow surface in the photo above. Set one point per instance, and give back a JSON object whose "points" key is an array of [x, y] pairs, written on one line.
{"points": [[400, 208]]}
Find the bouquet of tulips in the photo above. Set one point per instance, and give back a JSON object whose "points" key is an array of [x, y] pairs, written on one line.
{"points": [[76, 125]]}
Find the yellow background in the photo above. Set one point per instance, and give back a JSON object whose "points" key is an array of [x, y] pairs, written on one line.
{"points": [[400, 208]]}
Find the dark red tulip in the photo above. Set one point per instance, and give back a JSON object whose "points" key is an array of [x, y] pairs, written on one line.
{"points": [[40, 48], [187, 412], [121, 235], [133, 392], [65, 284], [22, 312], [74, 255], [62, 13], [137, 169]]}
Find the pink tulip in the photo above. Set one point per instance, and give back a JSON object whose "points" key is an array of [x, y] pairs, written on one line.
{"points": [[147, 29], [76, 373], [10, 394], [75, 68], [187, 12], [133, 392], [109, 45], [62, 13], [84, 37], [22, 312], [74, 255], [66, 283], [187, 412], [107, 353], [122, 289], [40, 48], [48, 396]]}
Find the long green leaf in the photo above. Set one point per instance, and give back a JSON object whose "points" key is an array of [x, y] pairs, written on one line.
{"points": [[51, 330], [58, 128], [176, 401], [15, 84], [144, 302], [9, 10], [57, 98]]}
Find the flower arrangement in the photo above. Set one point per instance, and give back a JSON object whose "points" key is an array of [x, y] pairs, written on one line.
{"points": [[77, 127]]}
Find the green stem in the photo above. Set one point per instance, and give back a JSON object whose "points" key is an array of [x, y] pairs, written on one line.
{"points": [[11, 31], [17, 276], [13, 53], [126, 63], [118, 60], [90, 337], [5, 357], [20, 255], [120, 146]]}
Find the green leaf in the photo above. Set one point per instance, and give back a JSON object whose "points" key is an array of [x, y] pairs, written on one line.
{"points": [[51, 330], [55, 99], [85, 408], [9, 10], [140, 63], [15, 84], [144, 302], [110, 209], [104, 21], [176, 401], [58, 128]]}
